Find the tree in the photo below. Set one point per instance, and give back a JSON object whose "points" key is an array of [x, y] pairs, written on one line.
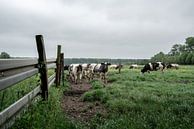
{"points": [[4, 55], [158, 57], [188, 58], [192, 59], [182, 58], [175, 50], [190, 44]]}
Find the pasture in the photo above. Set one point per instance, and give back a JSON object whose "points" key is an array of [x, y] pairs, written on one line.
{"points": [[131, 100], [148, 101]]}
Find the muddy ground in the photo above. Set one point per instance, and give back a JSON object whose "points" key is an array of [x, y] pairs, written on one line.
{"points": [[76, 108]]}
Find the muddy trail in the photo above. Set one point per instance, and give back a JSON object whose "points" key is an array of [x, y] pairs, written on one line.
{"points": [[76, 108]]}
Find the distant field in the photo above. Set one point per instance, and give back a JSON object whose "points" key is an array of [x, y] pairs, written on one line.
{"points": [[151, 101], [132, 100]]}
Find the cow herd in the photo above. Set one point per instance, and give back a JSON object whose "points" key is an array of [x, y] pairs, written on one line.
{"points": [[90, 71], [87, 71]]}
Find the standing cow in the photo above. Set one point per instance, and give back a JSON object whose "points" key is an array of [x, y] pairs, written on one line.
{"points": [[85, 70], [75, 71], [153, 67], [101, 69]]}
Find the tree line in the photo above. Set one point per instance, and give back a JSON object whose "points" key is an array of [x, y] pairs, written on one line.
{"points": [[179, 53]]}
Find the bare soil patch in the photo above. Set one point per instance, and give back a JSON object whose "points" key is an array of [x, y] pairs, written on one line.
{"points": [[77, 109]]}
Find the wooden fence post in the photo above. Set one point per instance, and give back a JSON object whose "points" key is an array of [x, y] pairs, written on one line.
{"points": [[62, 67], [42, 66], [58, 68]]}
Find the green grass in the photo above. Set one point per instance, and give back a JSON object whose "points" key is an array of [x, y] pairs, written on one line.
{"points": [[46, 114], [17, 91], [133, 101], [150, 101]]}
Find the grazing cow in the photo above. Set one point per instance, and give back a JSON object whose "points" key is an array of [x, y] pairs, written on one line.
{"points": [[85, 70], [153, 67], [169, 66], [75, 71], [133, 66]]}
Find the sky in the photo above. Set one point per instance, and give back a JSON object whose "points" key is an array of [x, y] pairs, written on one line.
{"points": [[95, 28]]}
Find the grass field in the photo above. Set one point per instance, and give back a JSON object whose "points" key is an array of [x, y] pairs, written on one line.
{"points": [[132, 100], [151, 101]]}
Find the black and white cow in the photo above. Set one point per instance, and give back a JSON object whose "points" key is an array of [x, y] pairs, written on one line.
{"points": [[170, 66], [75, 71], [101, 69], [153, 67]]}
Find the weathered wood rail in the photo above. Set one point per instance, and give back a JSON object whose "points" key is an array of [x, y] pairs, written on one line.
{"points": [[13, 71]]}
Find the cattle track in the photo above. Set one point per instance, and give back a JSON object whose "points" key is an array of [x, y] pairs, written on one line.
{"points": [[77, 109]]}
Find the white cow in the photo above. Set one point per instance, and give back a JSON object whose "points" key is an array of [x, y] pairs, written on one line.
{"points": [[176, 66], [113, 66], [133, 66]]}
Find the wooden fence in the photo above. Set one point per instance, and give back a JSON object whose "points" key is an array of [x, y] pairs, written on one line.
{"points": [[17, 70]]}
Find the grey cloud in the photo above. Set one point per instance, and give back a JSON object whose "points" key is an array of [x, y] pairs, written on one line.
{"points": [[98, 28]]}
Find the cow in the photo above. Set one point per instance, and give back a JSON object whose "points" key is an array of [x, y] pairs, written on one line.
{"points": [[114, 66], [91, 70], [133, 66], [169, 66], [101, 69], [75, 71], [153, 67], [85, 70]]}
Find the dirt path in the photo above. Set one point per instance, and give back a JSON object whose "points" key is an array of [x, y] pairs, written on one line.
{"points": [[77, 109]]}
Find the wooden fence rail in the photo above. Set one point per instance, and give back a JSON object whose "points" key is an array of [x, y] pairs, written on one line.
{"points": [[17, 70]]}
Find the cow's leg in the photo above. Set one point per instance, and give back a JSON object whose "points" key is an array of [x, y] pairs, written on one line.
{"points": [[88, 76], [71, 77], [75, 77], [102, 77], [80, 77], [105, 78]]}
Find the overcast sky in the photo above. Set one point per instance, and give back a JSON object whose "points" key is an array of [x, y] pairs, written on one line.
{"points": [[95, 28]]}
